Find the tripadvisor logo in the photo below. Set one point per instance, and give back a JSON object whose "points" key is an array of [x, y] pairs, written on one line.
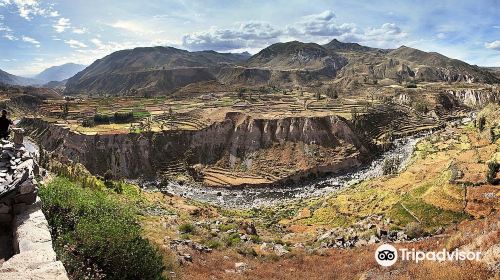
{"points": [[387, 255]]}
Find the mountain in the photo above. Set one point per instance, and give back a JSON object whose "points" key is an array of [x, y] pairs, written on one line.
{"points": [[154, 69], [295, 55], [10, 79], [59, 73], [336, 45], [162, 70]]}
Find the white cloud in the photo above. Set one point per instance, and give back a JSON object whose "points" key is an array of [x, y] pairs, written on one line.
{"points": [[29, 8], [322, 24], [98, 43], [81, 30], [7, 32], [31, 41], [320, 27], [131, 26], [495, 45], [61, 25], [75, 44], [248, 34]]}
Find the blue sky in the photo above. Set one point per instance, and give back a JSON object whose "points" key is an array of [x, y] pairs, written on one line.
{"points": [[36, 34]]}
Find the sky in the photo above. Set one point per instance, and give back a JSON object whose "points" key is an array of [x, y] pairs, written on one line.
{"points": [[37, 34]]}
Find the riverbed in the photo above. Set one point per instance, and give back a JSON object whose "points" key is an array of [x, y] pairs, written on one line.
{"points": [[254, 197]]}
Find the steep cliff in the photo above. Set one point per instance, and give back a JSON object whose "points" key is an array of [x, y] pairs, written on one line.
{"points": [[240, 143], [476, 97]]}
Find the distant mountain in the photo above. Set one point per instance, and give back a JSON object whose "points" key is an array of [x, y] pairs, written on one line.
{"points": [[157, 69], [336, 45], [10, 79], [162, 70], [59, 73], [296, 55]]}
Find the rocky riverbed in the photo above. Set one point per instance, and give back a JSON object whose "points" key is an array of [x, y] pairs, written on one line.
{"points": [[249, 197]]}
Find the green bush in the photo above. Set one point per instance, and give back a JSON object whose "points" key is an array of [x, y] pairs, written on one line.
{"points": [[102, 119], [96, 235], [123, 117], [414, 230], [491, 174], [186, 228]]}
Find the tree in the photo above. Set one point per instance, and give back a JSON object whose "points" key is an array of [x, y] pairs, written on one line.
{"points": [[241, 92], [64, 110]]}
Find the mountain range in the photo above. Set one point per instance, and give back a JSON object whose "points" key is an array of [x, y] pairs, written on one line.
{"points": [[165, 69], [9, 79], [59, 73], [55, 75]]}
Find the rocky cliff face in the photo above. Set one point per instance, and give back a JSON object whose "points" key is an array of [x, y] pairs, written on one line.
{"points": [[236, 141], [476, 97]]}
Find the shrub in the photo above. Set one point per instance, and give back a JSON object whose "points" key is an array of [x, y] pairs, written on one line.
{"points": [[246, 250], [481, 123], [186, 228], [123, 117], [414, 230], [421, 107], [491, 174], [213, 244], [88, 122], [97, 236], [102, 119], [411, 84]]}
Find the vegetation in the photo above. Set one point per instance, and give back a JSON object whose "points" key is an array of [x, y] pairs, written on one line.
{"points": [[96, 235]]}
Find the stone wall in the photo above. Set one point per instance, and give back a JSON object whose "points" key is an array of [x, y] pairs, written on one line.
{"points": [[30, 245]]}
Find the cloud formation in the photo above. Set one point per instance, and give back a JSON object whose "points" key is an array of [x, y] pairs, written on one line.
{"points": [[31, 41], [75, 44], [29, 8], [495, 45], [61, 25], [250, 34], [315, 27]]}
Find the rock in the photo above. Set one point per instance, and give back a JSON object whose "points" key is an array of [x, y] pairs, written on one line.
{"points": [[280, 250], [326, 235], [440, 230], [4, 208], [360, 243], [373, 240], [240, 266], [249, 228], [401, 235], [27, 187]]}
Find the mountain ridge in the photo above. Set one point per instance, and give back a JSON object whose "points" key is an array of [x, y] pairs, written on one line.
{"points": [[287, 64]]}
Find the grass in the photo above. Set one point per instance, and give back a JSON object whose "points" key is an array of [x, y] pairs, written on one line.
{"points": [[95, 233]]}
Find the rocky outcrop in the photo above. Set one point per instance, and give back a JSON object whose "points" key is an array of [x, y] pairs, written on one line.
{"points": [[476, 97], [35, 258], [235, 139], [20, 211]]}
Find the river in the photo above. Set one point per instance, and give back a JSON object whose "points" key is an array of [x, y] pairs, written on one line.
{"points": [[250, 197]]}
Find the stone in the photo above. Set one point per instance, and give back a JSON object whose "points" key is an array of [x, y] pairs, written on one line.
{"points": [[373, 240], [361, 243], [280, 250], [27, 187], [4, 208], [28, 198], [240, 266]]}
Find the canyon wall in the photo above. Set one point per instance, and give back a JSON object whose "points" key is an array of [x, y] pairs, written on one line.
{"points": [[237, 137], [476, 97]]}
